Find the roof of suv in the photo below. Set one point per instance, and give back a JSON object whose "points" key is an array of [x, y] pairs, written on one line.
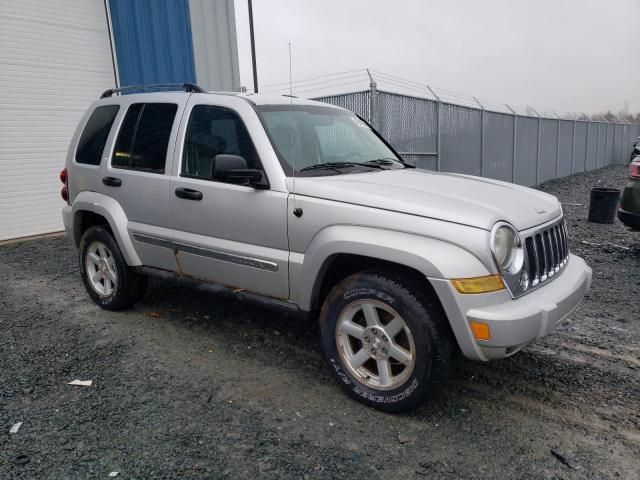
{"points": [[264, 99], [255, 98]]}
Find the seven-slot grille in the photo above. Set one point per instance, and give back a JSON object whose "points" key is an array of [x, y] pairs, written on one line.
{"points": [[546, 253]]}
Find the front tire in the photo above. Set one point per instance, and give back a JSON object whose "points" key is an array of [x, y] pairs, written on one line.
{"points": [[384, 340], [110, 282]]}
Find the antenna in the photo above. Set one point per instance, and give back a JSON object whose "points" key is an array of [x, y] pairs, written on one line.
{"points": [[295, 210], [290, 75]]}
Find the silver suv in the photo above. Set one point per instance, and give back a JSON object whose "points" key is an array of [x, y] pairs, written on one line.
{"points": [[302, 206]]}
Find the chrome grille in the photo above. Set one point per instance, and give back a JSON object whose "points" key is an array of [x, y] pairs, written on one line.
{"points": [[546, 253]]}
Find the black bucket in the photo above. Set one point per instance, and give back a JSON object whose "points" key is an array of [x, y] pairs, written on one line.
{"points": [[603, 204]]}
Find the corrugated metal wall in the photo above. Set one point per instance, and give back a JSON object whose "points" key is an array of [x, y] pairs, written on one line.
{"points": [[153, 41], [526, 151], [409, 124], [55, 60], [461, 139], [215, 46], [498, 146], [578, 162], [357, 102], [548, 149]]}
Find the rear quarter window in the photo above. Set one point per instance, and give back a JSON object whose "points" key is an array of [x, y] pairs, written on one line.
{"points": [[95, 133], [144, 137]]}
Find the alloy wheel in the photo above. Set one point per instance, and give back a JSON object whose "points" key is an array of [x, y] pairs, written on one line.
{"points": [[375, 344], [101, 269]]}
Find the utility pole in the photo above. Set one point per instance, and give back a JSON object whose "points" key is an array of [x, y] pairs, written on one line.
{"points": [[253, 48]]}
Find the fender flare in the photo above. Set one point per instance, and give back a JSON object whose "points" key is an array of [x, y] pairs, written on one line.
{"points": [[111, 210], [432, 257]]}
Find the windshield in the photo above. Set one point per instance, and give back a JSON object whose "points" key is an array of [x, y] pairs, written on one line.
{"points": [[318, 140]]}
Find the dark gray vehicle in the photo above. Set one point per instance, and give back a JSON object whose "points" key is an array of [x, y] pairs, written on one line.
{"points": [[629, 211], [302, 206]]}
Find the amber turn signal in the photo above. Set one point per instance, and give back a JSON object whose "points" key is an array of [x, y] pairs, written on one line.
{"points": [[490, 283], [481, 331]]}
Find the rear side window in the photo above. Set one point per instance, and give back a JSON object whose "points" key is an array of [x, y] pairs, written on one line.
{"points": [[144, 137], [95, 133]]}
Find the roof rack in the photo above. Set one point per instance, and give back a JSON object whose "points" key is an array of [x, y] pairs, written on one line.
{"points": [[188, 87]]}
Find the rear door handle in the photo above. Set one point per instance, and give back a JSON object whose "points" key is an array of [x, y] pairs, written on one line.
{"points": [[111, 181], [188, 194]]}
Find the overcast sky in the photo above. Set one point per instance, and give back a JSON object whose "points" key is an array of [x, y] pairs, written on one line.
{"points": [[567, 55]]}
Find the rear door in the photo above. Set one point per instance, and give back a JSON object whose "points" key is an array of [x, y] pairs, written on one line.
{"points": [[230, 234], [136, 171]]}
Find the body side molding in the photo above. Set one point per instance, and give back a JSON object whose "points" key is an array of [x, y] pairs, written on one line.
{"points": [[223, 256]]}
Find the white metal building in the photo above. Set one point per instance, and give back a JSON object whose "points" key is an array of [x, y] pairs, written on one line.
{"points": [[56, 57]]}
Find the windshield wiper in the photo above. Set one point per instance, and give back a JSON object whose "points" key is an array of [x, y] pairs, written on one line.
{"points": [[388, 161], [338, 165]]}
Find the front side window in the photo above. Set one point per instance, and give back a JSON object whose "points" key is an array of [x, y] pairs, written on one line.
{"points": [[95, 133], [316, 140], [213, 131], [144, 137]]}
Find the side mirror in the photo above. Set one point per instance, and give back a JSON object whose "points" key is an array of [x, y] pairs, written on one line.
{"points": [[233, 169]]}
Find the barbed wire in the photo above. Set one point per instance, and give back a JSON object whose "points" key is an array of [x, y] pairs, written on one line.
{"points": [[359, 80]]}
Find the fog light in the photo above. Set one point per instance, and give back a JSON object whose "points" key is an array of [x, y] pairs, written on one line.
{"points": [[481, 331], [490, 283]]}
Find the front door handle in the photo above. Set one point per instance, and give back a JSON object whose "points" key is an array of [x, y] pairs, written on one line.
{"points": [[188, 194], [112, 181]]}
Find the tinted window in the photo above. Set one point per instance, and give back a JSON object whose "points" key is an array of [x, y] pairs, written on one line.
{"points": [[95, 135], [124, 143], [144, 137], [213, 131]]}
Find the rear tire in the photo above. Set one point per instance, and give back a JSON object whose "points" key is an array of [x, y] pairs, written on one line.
{"points": [[110, 282], [384, 340]]}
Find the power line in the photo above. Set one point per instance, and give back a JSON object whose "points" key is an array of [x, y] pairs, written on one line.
{"points": [[328, 86], [318, 77], [321, 82]]}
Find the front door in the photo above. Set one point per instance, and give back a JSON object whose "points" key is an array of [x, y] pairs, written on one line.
{"points": [[223, 232]]}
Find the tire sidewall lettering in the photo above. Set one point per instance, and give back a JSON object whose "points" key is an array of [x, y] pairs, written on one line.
{"points": [[339, 371], [367, 394], [369, 293], [387, 399]]}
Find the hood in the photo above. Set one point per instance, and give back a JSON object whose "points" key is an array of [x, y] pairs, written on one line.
{"points": [[464, 199]]}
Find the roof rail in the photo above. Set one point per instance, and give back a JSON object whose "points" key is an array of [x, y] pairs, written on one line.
{"points": [[188, 87]]}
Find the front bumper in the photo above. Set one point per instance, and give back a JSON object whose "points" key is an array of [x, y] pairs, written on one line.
{"points": [[630, 219], [629, 212], [513, 322]]}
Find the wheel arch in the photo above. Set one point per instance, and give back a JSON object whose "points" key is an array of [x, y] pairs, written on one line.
{"points": [[348, 249], [85, 219], [92, 208]]}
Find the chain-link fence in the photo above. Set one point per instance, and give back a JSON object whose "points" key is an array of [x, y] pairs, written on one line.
{"points": [[524, 149]]}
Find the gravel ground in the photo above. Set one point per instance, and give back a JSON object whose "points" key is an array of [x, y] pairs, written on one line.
{"points": [[188, 385]]}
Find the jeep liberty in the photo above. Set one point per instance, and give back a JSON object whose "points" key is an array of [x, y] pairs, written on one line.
{"points": [[302, 206]]}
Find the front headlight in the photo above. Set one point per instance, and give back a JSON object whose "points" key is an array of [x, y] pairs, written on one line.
{"points": [[507, 248]]}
